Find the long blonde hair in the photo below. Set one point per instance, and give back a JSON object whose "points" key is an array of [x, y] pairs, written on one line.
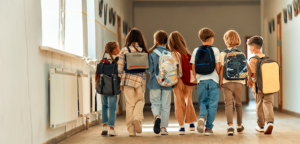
{"points": [[161, 37], [177, 42]]}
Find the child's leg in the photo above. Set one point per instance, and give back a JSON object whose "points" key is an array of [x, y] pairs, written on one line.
{"points": [[104, 101], [130, 104], [259, 109], [228, 100], [238, 93], [139, 104], [165, 107], [190, 110], [112, 107], [213, 103], [155, 99], [268, 108], [179, 102], [203, 98]]}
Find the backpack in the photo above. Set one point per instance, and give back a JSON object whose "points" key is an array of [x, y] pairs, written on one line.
{"points": [[235, 65], [186, 69], [168, 72], [136, 62], [205, 62], [267, 75]]}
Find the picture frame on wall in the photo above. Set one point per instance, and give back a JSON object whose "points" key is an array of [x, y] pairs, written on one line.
{"points": [[100, 8], [295, 7], [290, 11], [105, 13], [284, 12], [298, 1], [273, 24]]}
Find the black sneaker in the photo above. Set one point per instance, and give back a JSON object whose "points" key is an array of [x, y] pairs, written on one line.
{"points": [[240, 130], [156, 127], [230, 130]]}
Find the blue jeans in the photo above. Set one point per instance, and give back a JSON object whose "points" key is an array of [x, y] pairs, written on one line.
{"points": [[109, 103], [160, 104], [208, 98]]}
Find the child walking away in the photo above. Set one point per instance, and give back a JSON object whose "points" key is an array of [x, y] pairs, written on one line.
{"points": [[109, 102], [206, 64], [133, 79], [265, 73], [184, 109], [163, 70], [234, 72]]}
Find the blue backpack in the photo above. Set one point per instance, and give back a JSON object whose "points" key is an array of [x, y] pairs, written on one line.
{"points": [[205, 62]]}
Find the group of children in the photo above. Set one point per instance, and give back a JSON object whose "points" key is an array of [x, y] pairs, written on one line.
{"points": [[134, 84]]}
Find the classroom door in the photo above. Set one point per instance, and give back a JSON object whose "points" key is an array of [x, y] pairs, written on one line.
{"points": [[279, 59]]}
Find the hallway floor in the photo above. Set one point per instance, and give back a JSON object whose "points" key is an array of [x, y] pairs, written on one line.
{"points": [[286, 130]]}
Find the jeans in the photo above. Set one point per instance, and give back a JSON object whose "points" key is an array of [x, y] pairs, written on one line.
{"points": [[109, 107], [160, 104], [208, 98]]}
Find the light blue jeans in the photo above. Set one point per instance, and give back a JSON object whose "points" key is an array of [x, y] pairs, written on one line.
{"points": [[208, 98], [109, 107], [160, 104]]}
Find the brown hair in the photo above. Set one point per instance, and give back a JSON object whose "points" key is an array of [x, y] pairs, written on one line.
{"points": [[232, 38], [109, 48], [205, 34], [256, 40], [161, 37], [136, 36], [177, 42]]}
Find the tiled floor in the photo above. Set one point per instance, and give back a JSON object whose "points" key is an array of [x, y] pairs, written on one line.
{"points": [[286, 131]]}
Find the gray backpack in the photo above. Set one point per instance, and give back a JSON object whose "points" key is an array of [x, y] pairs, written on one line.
{"points": [[136, 62], [267, 75]]}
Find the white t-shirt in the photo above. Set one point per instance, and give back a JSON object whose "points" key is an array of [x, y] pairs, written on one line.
{"points": [[214, 75]]}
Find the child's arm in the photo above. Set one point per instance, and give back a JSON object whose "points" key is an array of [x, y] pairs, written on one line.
{"points": [[193, 68], [121, 63], [221, 76], [249, 82], [151, 65], [218, 68]]}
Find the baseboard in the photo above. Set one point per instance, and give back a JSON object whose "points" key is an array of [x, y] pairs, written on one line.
{"points": [[291, 113], [196, 103], [70, 133]]}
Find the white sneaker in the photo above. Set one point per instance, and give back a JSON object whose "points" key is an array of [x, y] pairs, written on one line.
{"points": [[137, 125], [260, 129], [132, 134], [164, 131], [200, 126], [104, 131], [112, 133], [269, 128]]}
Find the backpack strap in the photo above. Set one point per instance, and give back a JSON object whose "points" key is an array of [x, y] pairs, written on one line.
{"points": [[157, 52], [226, 50], [128, 49]]}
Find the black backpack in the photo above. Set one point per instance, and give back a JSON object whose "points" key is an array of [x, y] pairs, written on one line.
{"points": [[205, 62]]}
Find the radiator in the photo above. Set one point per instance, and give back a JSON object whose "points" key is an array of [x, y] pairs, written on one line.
{"points": [[63, 97], [84, 94], [99, 103]]}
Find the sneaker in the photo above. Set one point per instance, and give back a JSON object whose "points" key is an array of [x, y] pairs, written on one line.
{"points": [[104, 131], [260, 129], [137, 125], [156, 127], [200, 126], [112, 133], [230, 130], [132, 134], [240, 129], [164, 131], [269, 128], [208, 132], [181, 131], [192, 127]]}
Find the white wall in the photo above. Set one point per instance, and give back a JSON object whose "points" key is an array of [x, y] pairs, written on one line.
{"points": [[189, 17], [290, 51], [24, 97]]}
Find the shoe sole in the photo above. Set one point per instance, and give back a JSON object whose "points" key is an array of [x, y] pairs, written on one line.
{"points": [[230, 133], [112, 135], [259, 131], [241, 131], [104, 132], [269, 129], [164, 134], [200, 126], [156, 127], [192, 129], [181, 133], [137, 126]]}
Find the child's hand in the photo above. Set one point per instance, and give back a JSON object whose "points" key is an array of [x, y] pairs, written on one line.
{"points": [[220, 84], [250, 82]]}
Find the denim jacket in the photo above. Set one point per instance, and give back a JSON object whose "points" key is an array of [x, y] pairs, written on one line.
{"points": [[154, 69]]}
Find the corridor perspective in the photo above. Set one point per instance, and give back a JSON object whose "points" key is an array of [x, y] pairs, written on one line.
{"points": [[138, 71]]}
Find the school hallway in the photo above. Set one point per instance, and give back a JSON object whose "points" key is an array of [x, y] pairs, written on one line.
{"points": [[286, 131]]}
